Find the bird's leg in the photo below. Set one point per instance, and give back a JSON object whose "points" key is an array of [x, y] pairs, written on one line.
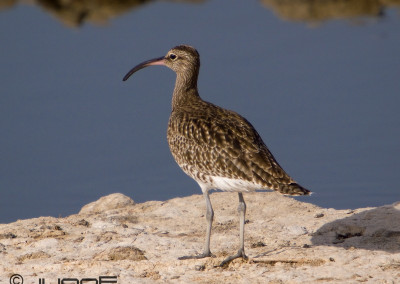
{"points": [[209, 218], [242, 214]]}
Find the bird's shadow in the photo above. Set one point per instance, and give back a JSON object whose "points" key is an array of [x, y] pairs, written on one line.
{"points": [[375, 229]]}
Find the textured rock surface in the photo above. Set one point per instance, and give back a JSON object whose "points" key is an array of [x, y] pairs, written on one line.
{"points": [[287, 242]]}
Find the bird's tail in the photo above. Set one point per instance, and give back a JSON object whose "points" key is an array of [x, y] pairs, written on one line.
{"points": [[293, 189]]}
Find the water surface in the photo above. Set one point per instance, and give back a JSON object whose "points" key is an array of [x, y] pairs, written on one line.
{"points": [[320, 85]]}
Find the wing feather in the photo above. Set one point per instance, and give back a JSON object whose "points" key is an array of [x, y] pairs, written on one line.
{"points": [[215, 141]]}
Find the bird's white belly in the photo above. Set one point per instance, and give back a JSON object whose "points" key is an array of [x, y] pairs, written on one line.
{"points": [[231, 184], [208, 182]]}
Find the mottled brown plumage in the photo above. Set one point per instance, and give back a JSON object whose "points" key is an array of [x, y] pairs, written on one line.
{"points": [[210, 141], [218, 148]]}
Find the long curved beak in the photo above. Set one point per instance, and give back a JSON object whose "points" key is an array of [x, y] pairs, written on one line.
{"points": [[155, 61]]}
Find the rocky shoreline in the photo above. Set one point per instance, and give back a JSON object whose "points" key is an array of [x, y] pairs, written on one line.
{"points": [[115, 240]]}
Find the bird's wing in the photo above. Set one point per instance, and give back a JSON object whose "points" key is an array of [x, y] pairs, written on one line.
{"points": [[221, 142]]}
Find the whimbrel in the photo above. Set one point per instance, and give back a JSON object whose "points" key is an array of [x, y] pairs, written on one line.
{"points": [[216, 147]]}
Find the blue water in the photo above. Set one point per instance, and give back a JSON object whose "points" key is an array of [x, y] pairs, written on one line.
{"points": [[324, 97]]}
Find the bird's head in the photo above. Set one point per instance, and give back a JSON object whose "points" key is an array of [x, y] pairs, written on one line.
{"points": [[183, 59]]}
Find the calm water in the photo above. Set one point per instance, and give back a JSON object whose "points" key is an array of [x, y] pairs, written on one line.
{"points": [[322, 89]]}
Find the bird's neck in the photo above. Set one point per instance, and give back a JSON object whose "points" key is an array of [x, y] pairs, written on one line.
{"points": [[185, 91]]}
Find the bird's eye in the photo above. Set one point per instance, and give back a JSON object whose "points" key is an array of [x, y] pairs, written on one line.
{"points": [[172, 56]]}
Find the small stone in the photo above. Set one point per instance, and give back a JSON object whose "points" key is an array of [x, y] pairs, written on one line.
{"points": [[319, 215], [83, 222], [200, 267], [258, 244]]}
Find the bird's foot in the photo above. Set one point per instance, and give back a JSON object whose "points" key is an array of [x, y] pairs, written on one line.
{"points": [[227, 260], [203, 255]]}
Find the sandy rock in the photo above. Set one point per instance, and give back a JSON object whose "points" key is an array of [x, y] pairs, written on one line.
{"points": [[105, 203], [287, 241]]}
